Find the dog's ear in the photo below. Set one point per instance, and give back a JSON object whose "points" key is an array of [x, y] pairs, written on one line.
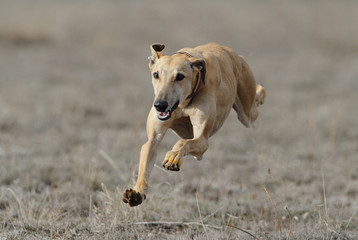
{"points": [[200, 65], [155, 49]]}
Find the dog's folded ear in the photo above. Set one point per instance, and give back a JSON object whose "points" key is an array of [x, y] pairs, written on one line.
{"points": [[156, 49], [200, 65]]}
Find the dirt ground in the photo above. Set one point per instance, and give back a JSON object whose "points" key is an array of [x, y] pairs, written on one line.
{"points": [[75, 90]]}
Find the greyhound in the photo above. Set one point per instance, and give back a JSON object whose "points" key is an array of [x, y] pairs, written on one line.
{"points": [[195, 89]]}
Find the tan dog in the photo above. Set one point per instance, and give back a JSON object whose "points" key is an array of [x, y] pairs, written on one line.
{"points": [[194, 89]]}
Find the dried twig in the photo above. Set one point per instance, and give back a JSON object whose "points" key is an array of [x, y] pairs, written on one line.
{"points": [[324, 197], [177, 224], [213, 213], [242, 230], [290, 229], [350, 219], [161, 169], [21, 206], [201, 218], [278, 222], [109, 160]]}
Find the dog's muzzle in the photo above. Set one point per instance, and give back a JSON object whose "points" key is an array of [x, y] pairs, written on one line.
{"points": [[161, 107]]}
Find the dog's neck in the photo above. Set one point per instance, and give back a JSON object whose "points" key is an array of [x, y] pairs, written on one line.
{"points": [[195, 89]]}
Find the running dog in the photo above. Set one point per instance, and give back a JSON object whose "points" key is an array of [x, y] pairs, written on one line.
{"points": [[195, 89]]}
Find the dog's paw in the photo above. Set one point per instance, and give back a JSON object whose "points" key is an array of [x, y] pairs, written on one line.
{"points": [[173, 160], [260, 95], [132, 197]]}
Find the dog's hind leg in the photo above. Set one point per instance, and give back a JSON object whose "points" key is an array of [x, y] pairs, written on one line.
{"points": [[259, 100], [245, 95], [249, 95], [240, 114]]}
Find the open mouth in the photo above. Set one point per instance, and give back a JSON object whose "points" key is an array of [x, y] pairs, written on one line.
{"points": [[166, 115]]}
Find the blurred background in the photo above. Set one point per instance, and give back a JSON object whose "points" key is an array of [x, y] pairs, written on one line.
{"points": [[75, 90]]}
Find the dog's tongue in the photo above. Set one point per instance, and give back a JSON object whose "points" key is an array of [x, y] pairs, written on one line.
{"points": [[163, 114]]}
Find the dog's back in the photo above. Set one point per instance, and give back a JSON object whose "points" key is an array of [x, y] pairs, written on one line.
{"points": [[232, 80]]}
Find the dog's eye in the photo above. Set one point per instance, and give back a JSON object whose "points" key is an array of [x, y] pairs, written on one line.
{"points": [[179, 77], [156, 75]]}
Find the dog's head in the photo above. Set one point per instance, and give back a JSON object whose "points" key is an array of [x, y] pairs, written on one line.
{"points": [[174, 79]]}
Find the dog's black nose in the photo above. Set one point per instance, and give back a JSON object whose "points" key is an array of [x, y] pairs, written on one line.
{"points": [[160, 105]]}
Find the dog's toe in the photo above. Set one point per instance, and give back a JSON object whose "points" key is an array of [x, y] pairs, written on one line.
{"points": [[173, 161], [164, 163], [176, 167]]}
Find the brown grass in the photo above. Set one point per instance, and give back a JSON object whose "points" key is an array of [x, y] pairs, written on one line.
{"points": [[75, 91]]}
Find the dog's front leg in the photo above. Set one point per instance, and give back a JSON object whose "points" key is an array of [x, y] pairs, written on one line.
{"points": [[195, 147], [155, 134]]}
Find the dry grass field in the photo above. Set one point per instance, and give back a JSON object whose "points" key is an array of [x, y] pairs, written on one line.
{"points": [[75, 90]]}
